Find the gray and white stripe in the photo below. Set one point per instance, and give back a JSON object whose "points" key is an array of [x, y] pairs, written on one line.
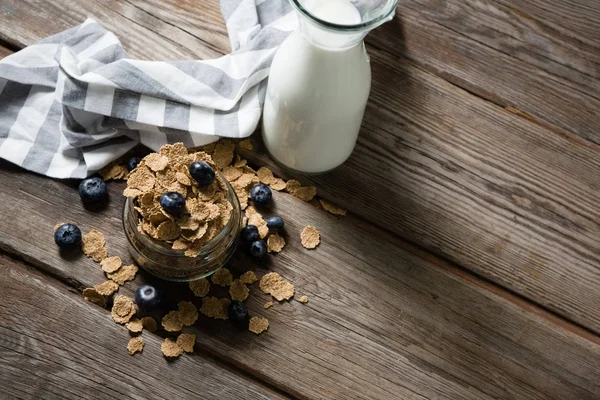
{"points": [[75, 101]]}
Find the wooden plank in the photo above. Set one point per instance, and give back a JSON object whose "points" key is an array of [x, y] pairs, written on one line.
{"points": [[455, 40], [56, 345], [500, 196], [4, 52], [384, 320]]}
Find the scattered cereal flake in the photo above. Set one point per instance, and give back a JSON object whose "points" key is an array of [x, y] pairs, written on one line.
{"points": [[92, 245], [248, 277], [258, 325], [332, 208], [124, 274], [223, 155], [200, 287], [58, 225], [135, 345], [156, 162], [186, 342], [279, 184], [238, 291], [171, 322], [303, 299], [273, 284], [113, 171], [92, 295], [135, 325], [107, 288], [265, 175], [292, 185], [246, 145], [111, 264], [275, 243], [222, 277], [232, 173], [240, 163], [188, 313], [149, 324], [123, 309], [268, 304], [214, 307], [305, 193], [170, 348], [310, 237]]}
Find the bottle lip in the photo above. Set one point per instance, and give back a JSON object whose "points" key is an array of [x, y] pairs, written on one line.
{"points": [[367, 25]]}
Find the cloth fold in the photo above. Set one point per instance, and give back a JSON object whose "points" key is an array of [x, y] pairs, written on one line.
{"points": [[75, 101]]}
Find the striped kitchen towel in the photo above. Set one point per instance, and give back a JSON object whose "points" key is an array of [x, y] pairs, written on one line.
{"points": [[75, 101]]}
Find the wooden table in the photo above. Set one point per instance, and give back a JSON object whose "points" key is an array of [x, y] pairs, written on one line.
{"points": [[468, 265]]}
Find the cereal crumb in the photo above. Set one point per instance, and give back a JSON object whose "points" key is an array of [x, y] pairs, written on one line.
{"points": [[188, 313], [273, 284], [200, 287], [222, 277], [238, 291], [268, 304], [332, 208], [92, 245], [258, 325], [246, 145], [149, 324], [304, 193], [114, 171], [265, 175], [123, 309], [214, 307], [135, 325], [124, 274], [248, 277], [106, 288], [135, 345], [310, 237], [279, 184], [111, 264], [92, 295], [303, 299], [170, 348], [275, 243], [186, 342], [171, 322]]}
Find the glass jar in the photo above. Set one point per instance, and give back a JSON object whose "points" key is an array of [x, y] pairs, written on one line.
{"points": [[173, 265], [319, 83]]}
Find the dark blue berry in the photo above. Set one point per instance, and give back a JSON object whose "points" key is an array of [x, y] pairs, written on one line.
{"points": [[261, 194], [275, 223], [238, 313], [173, 203], [202, 173], [67, 236], [148, 297], [258, 249], [93, 191], [133, 162], [249, 234]]}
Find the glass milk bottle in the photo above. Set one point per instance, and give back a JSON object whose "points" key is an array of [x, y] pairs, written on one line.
{"points": [[319, 83]]}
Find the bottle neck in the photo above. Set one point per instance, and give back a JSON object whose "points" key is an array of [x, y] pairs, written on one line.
{"points": [[327, 38]]}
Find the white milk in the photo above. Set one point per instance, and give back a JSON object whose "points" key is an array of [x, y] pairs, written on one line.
{"points": [[317, 92]]}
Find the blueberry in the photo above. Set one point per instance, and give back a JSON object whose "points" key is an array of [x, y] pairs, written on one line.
{"points": [[67, 236], [148, 297], [202, 173], [261, 194], [173, 203], [133, 162], [238, 313], [249, 234], [258, 249], [93, 190], [275, 223]]}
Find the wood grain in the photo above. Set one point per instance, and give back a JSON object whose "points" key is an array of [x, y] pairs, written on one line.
{"points": [[384, 320], [56, 345], [463, 178], [4, 52]]}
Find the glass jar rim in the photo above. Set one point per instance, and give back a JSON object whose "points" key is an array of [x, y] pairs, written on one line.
{"points": [[208, 246], [367, 25]]}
